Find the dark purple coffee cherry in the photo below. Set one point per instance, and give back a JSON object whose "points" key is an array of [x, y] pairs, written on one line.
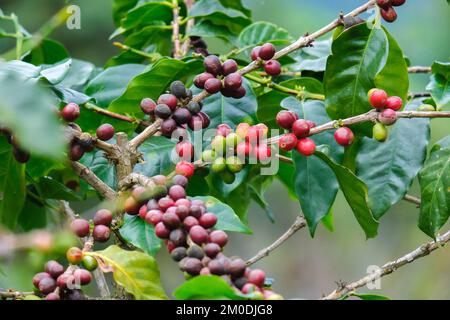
{"points": [[47, 285], [75, 295], [193, 266], [196, 211], [272, 67], [216, 267], [178, 89], [267, 51], [171, 220], [38, 277], [168, 99], [178, 237], [196, 252], [80, 227], [182, 116], [168, 127], [70, 112], [20, 155], [180, 180], [103, 217], [163, 111], [233, 81], [194, 107], [213, 85], [162, 231], [240, 282], [255, 53], [212, 250], [237, 268], [198, 235], [239, 93], [219, 237], [76, 152], [200, 80], [213, 65], [53, 297], [229, 66], [148, 106], [178, 254], [101, 233]]}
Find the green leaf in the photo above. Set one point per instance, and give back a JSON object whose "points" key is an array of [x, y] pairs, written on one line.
{"points": [[49, 188], [357, 56], [48, 52], [365, 296], [140, 234], [356, 193], [121, 7], [151, 38], [33, 216], [312, 58], [434, 179], [146, 14], [157, 153], [227, 219], [101, 167], [206, 288], [439, 85], [137, 272], [285, 174], [79, 73], [207, 29], [258, 186], [389, 168], [225, 189], [12, 186], [261, 32], [57, 72], [237, 5]]}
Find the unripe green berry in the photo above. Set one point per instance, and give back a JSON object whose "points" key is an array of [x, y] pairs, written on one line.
{"points": [[232, 140], [426, 107], [234, 164], [89, 263], [380, 132], [208, 155], [218, 144], [219, 165]]}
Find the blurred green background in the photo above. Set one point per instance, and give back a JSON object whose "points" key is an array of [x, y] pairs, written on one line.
{"points": [[303, 267]]}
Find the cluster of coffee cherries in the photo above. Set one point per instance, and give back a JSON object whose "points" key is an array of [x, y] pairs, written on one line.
{"points": [[78, 147], [266, 52], [59, 283], [297, 137], [186, 227], [177, 110], [221, 77], [101, 231], [387, 9], [387, 106], [20, 155]]}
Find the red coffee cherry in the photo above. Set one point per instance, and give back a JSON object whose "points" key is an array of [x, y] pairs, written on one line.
{"points": [[185, 150], [285, 119], [190, 222], [185, 168], [262, 152], [161, 231], [306, 146], [229, 66], [389, 14], [105, 132], [171, 220], [208, 220], [101, 233], [311, 124], [212, 250], [397, 3], [387, 117], [47, 285], [239, 93], [344, 136], [288, 142], [38, 277], [219, 237], [198, 235], [82, 276], [182, 212], [153, 217], [272, 68], [223, 130], [213, 65], [267, 51], [301, 128], [377, 98], [76, 152], [255, 53], [148, 106], [394, 103], [54, 268], [165, 203], [80, 227], [213, 85], [244, 149], [168, 99], [168, 127], [182, 116], [233, 81], [74, 255], [384, 3], [70, 112], [63, 280], [177, 192], [200, 80], [52, 297], [249, 288], [103, 217], [257, 277]]}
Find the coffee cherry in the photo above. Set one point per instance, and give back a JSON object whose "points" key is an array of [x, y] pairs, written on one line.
{"points": [[82, 276], [232, 140], [171, 220], [213, 65], [227, 177], [197, 122], [185, 150], [168, 99], [389, 14], [267, 51], [177, 192], [54, 268], [344, 136], [426, 107], [394, 103], [193, 266], [186, 169], [219, 237], [168, 127], [288, 142], [255, 53], [178, 89], [216, 267], [182, 116], [257, 277], [76, 152], [244, 149], [196, 252], [89, 263], [205, 272], [183, 202], [237, 268], [65, 280], [47, 285], [311, 124], [242, 129], [182, 212], [213, 85], [74, 255], [178, 237], [180, 181], [380, 132], [208, 155], [148, 106], [223, 130], [387, 117], [384, 3], [254, 135], [152, 204], [165, 203], [212, 249], [285, 119], [206, 121], [163, 111], [397, 3], [160, 180], [75, 295], [234, 164], [306, 146], [38, 277], [103, 217], [377, 98], [132, 206], [218, 165], [233, 81], [70, 112], [178, 254], [229, 66], [53, 297], [208, 220], [301, 128], [219, 144], [190, 222], [101, 233], [262, 152], [161, 231], [239, 93], [198, 235], [272, 68], [200, 80], [194, 107], [153, 217], [22, 156], [240, 282], [80, 227], [105, 132]]}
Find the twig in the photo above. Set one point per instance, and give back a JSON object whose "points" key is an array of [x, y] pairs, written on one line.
{"points": [[86, 174], [299, 223], [176, 30], [13, 294], [117, 116], [390, 267], [419, 69], [413, 199], [144, 135], [150, 56], [87, 138]]}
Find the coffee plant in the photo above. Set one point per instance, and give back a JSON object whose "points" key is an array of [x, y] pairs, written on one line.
{"points": [[175, 141]]}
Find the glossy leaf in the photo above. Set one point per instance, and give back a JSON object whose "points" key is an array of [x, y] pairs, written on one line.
{"points": [[48, 52], [207, 29], [50, 188], [157, 153], [434, 179], [121, 7], [140, 234], [79, 73], [312, 58], [101, 167], [146, 13], [439, 85], [33, 216], [206, 288], [137, 272], [261, 32]]}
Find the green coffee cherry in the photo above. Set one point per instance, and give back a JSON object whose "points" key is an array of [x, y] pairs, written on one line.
{"points": [[219, 165], [227, 177], [89, 263], [219, 144], [426, 107], [232, 140], [234, 164], [208, 156], [380, 132]]}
